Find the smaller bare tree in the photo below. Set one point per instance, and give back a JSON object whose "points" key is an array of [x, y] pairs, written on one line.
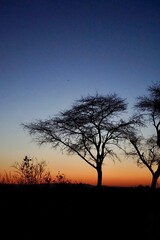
{"points": [[30, 171], [147, 154], [147, 148]]}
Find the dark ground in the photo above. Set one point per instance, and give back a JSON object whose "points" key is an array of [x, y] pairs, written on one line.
{"points": [[79, 212]]}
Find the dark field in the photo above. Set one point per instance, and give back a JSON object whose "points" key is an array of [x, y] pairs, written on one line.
{"points": [[79, 212]]}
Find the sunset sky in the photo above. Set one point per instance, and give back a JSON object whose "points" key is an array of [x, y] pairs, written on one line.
{"points": [[52, 52]]}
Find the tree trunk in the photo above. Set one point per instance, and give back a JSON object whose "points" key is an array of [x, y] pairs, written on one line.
{"points": [[99, 172], [155, 177]]}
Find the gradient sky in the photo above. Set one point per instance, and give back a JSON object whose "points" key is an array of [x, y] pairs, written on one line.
{"points": [[52, 52]]}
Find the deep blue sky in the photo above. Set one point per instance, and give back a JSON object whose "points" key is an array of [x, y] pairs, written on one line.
{"points": [[52, 52]]}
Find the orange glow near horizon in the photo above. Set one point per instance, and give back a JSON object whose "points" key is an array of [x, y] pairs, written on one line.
{"points": [[125, 173]]}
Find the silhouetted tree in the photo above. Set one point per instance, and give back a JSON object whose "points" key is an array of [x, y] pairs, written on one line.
{"points": [[147, 149], [89, 129], [31, 172]]}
